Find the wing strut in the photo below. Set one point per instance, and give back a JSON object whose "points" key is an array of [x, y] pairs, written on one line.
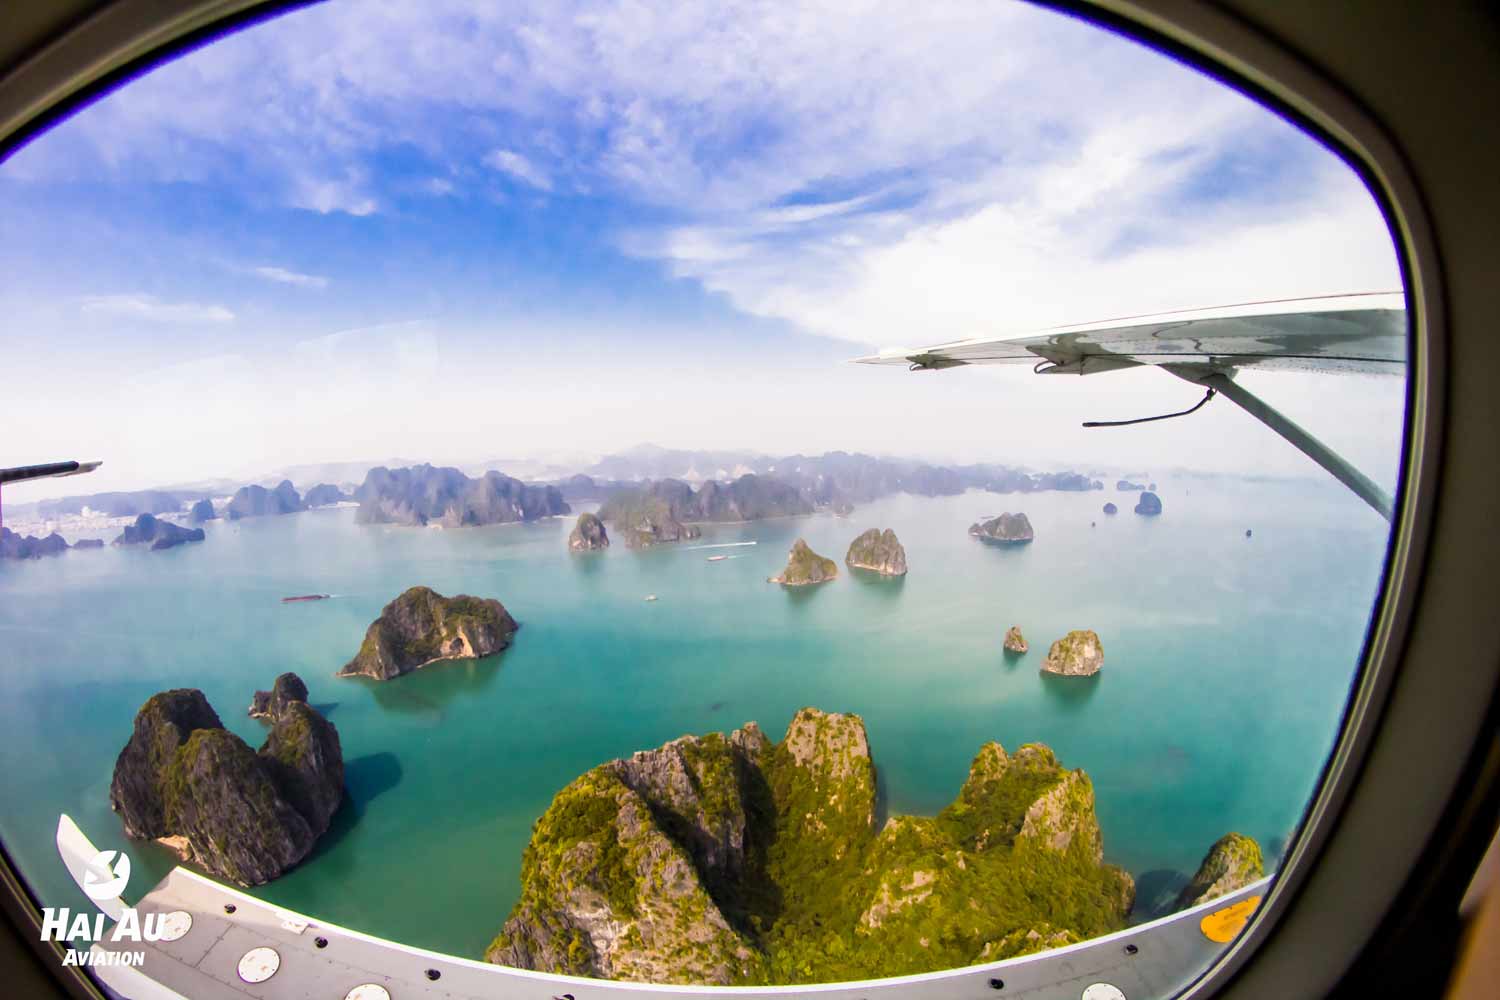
{"points": [[1362, 485]]}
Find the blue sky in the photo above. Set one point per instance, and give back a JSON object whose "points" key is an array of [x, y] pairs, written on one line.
{"points": [[464, 230]]}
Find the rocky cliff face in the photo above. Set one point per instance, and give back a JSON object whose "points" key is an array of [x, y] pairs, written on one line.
{"points": [[1232, 863], [14, 546], [324, 495], [666, 509], [1077, 654], [805, 567], [269, 704], [257, 501], [879, 552], [422, 495], [202, 511], [748, 498], [1014, 641], [588, 534], [650, 517], [242, 815], [1149, 504], [1007, 529], [422, 626], [733, 860], [159, 534]]}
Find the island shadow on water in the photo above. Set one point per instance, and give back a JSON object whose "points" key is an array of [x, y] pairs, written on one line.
{"points": [[1156, 894], [1070, 693], [880, 585], [425, 693], [366, 778]]}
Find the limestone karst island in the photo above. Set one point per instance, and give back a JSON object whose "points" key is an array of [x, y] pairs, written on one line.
{"points": [[422, 626], [737, 860], [240, 814], [1077, 654], [877, 552], [1007, 529], [805, 567]]}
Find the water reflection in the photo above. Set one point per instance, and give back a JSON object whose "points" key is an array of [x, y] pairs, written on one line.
{"points": [[425, 692], [1156, 893], [878, 585], [365, 779], [1070, 693]]}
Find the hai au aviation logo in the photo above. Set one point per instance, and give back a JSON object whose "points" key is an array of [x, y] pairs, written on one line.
{"points": [[104, 880], [105, 877]]}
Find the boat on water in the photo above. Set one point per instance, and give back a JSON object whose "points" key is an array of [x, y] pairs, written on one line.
{"points": [[650, 597], [305, 597], [717, 558]]}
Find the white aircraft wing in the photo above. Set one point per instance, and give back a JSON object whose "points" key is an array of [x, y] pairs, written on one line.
{"points": [[1363, 333], [1345, 333]]}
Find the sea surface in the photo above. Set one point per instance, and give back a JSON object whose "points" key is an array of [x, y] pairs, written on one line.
{"points": [[1228, 661]]}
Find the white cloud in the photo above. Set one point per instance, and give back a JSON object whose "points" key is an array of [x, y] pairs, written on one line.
{"points": [[877, 172], [326, 195], [510, 162], [286, 277], [960, 161], [151, 309]]}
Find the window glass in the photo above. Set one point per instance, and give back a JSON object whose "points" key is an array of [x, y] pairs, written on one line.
{"points": [[473, 383]]}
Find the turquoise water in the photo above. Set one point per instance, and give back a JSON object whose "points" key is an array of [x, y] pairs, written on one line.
{"points": [[1227, 664]]}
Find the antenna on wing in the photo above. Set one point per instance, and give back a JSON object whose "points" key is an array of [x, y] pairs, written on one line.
{"points": [[1146, 420]]}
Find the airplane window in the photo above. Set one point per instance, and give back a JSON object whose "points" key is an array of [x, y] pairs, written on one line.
{"points": [[726, 497]]}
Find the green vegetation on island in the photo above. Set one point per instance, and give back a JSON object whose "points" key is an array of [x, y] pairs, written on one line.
{"points": [[879, 552], [805, 567], [1077, 654], [422, 626], [1232, 863], [733, 860]]}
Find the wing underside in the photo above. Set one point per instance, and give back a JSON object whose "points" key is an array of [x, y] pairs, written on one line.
{"points": [[1363, 333], [1346, 334]]}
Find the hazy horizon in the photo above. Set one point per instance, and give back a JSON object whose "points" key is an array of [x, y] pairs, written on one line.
{"points": [[556, 229]]}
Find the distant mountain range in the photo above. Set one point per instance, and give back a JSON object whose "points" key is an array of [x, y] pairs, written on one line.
{"points": [[471, 494], [837, 477]]}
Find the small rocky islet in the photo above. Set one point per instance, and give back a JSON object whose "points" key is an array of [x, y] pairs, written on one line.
{"points": [[1014, 641], [1233, 862], [269, 704], [240, 814], [1077, 654], [588, 534], [877, 551], [804, 567], [422, 626], [159, 534], [1006, 529]]}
